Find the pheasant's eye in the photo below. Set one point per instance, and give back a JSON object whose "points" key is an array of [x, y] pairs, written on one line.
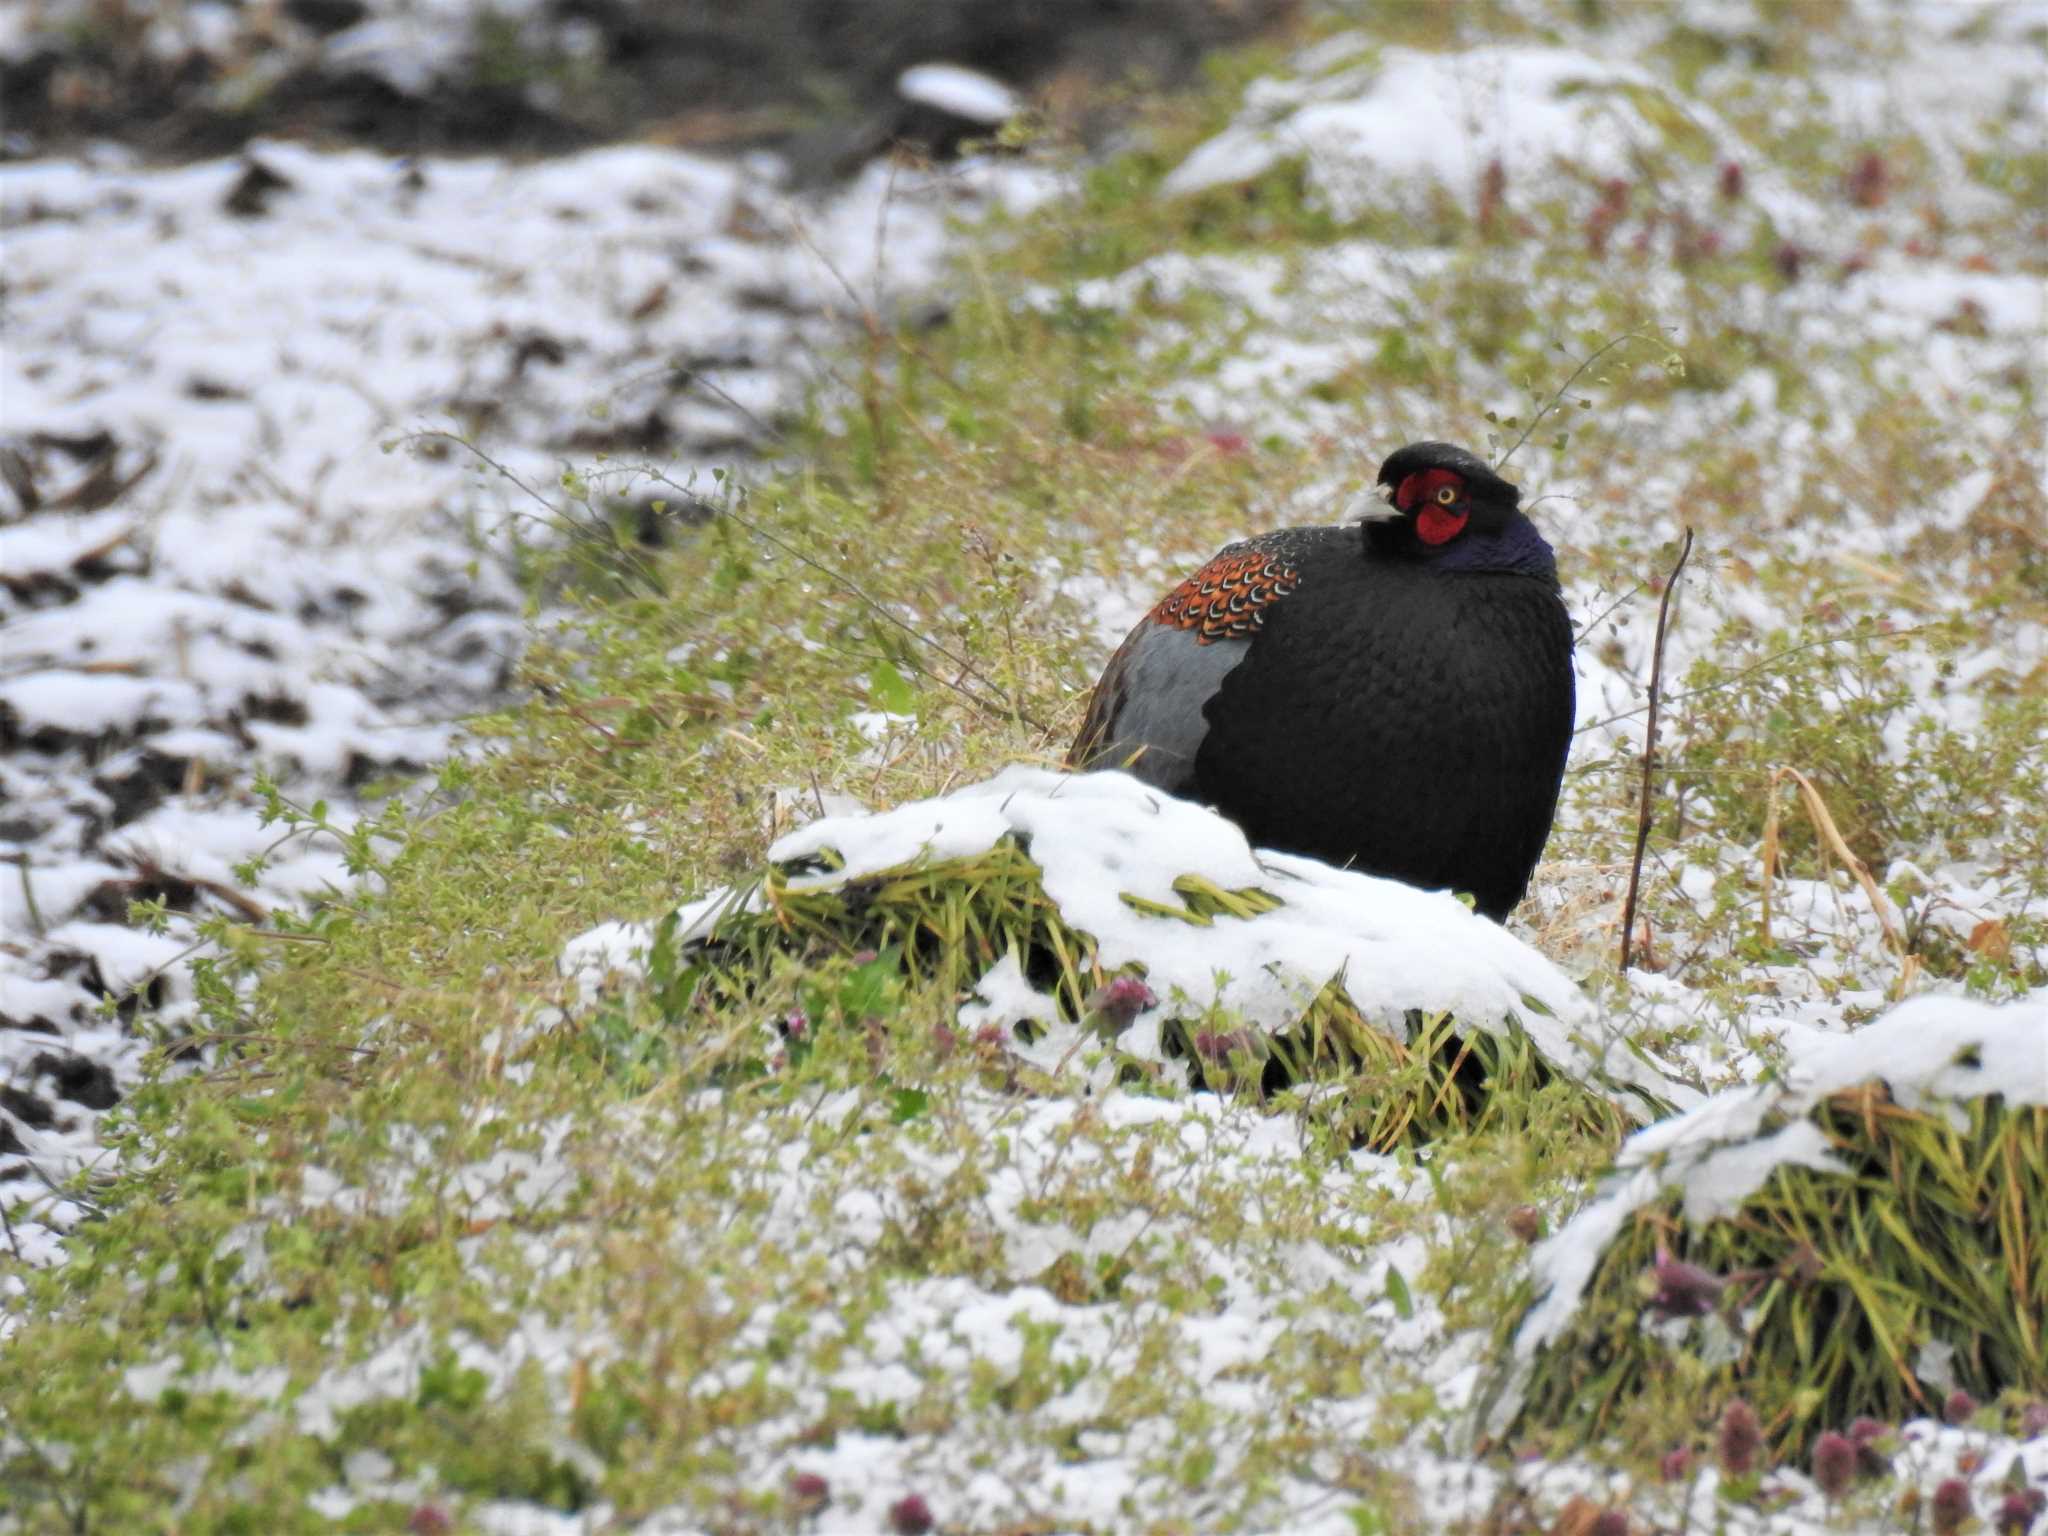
{"points": [[1447, 494]]}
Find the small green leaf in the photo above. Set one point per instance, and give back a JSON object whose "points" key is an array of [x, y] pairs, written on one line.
{"points": [[1397, 1293], [890, 690]]}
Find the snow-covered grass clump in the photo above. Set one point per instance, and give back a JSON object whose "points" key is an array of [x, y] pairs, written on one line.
{"points": [[1093, 922], [1863, 1235]]}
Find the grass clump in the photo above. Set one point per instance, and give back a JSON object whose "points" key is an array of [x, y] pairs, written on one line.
{"points": [[935, 928], [1827, 1296]]}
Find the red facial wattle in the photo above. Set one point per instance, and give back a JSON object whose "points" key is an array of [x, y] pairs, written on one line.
{"points": [[1439, 521], [1439, 525]]}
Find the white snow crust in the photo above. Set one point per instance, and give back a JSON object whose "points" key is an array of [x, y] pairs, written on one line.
{"points": [[965, 93]]}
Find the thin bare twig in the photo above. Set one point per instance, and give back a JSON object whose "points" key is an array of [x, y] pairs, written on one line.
{"points": [[1605, 614], [1635, 868], [1563, 389]]}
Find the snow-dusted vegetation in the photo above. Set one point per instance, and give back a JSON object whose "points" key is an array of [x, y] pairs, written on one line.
{"points": [[423, 577]]}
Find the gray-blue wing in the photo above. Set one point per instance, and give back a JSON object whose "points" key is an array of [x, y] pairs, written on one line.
{"points": [[1145, 716]]}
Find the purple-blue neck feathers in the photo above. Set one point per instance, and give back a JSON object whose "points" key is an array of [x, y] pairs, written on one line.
{"points": [[1515, 547]]}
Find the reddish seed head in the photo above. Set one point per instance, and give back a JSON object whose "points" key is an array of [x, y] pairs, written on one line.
{"points": [[1834, 1464], [2018, 1511], [1683, 1290], [1609, 1522], [1959, 1407], [1676, 1465], [1788, 259], [1864, 1435], [810, 1490], [1951, 1506], [1740, 1439], [1599, 225], [1731, 180], [1526, 1222], [795, 1022], [1870, 181], [1493, 188], [944, 1039], [991, 1037], [910, 1516], [430, 1520], [1121, 1000], [2034, 1421]]}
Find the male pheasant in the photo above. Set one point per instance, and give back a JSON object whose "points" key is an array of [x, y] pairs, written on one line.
{"points": [[1396, 698]]}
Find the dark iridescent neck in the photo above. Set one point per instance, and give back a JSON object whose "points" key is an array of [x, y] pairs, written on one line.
{"points": [[1517, 547]]}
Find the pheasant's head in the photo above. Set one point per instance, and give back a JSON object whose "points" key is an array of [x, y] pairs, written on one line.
{"points": [[1438, 494]]}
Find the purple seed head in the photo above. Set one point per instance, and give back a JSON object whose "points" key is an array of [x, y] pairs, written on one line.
{"points": [[1951, 1506], [1958, 1407], [991, 1037], [1731, 180], [1676, 1465], [1740, 1439], [1609, 1522], [2034, 1420], [794, 1023], [1871, 1460], [1869, 183], [1683, 1290], [1834, 1464], [944, 1039], [1122, 999], [430, 1520], [863, 956], [1789, 259], [809, 1489], [910, 1516], [2018, 1511]]}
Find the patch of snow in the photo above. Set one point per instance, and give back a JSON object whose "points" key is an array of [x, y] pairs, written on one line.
{"points": [[962, 92]]}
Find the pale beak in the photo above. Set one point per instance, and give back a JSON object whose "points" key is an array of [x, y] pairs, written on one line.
{"points": [[1377, 508]]}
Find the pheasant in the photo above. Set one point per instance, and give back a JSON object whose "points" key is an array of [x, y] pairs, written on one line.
{"points": [[1396, 697]]}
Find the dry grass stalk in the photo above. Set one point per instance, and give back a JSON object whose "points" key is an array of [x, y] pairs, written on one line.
{"points": [[1831, 837]]}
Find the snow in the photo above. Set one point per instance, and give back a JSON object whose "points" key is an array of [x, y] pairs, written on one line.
{"points": [[965, 93], [308, 574], [1412, 118]]}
